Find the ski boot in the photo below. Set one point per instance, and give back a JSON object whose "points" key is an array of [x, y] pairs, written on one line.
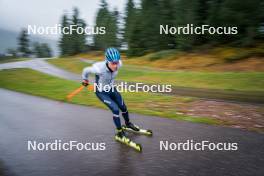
{"points": [[130, 127], [120, 136]]}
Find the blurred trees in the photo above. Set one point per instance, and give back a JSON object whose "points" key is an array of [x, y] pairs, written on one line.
{"points": [[246, 15], [135, 40], [109, 20], [78, 40], [190, 12], [101, 20], [12, 52], [65, 42], [143, 36], [41, 50], [26, 49], [74, 41], [140, 31], [23, 43], [129, 19]]}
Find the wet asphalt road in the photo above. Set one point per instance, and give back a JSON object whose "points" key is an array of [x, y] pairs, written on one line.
{"points": [[41, 65], [24, 117]]}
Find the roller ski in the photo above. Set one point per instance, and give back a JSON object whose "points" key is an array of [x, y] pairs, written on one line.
{"points": [[121, 137], [130, 127]]}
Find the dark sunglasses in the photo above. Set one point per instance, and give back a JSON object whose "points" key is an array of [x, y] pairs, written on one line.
{"points": [[115, 63]]}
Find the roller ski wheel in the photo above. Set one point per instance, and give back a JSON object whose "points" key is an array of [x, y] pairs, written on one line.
{"points": [[129, 142], [136, 129]]}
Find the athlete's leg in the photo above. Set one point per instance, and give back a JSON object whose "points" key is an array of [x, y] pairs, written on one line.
{"points": [[117, 98], [105, 98]]}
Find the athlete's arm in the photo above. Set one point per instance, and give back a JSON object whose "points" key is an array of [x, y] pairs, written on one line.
{"points": [[86, 71]]}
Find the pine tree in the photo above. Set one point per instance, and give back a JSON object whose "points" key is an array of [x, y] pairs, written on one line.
{"points": [[136, 41], [46, 50], [109, 20], [186, 13], [41, 50], [112, 30], [74, 42], [166, 13], [150, 26], [145, 27], [65, 42], [129, 19], [201, 12], [246, 16], [78, 40], [101, 20], [24, 43]]}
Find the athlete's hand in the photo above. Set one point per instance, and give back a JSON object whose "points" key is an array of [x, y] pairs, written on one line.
{"points": [[85, 82]]}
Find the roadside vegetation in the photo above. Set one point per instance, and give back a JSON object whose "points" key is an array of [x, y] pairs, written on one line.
{"points": [[142, 69], [6, 60], [39, 84]]}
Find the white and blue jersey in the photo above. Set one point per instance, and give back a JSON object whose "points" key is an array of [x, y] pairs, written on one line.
{"points": [[103, 74], [112, 99]]}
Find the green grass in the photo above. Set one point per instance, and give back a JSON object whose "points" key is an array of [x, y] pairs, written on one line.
{"points": [[161, 54], [242, 81], [6, 60], [36, 83], [70, 64], [251, 81]]}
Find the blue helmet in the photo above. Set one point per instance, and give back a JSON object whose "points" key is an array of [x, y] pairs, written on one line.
{"points": [[112, 55]]}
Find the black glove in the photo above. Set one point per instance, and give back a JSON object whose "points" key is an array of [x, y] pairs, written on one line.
{"points": [[85, 82]]}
